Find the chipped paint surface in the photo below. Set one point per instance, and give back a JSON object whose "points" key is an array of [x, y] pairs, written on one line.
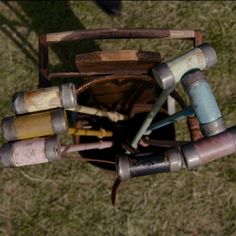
{"points": [[193, 59], [182, 33], [42, 99], [29, 152]]}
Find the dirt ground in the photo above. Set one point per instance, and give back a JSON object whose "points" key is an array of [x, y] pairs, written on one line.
{"points": [[73, 198]]}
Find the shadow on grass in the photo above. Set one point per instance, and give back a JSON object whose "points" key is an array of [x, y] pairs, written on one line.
{"points": [[47, 17]]}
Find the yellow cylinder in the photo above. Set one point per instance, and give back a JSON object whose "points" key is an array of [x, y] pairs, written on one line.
{"points": [[35, 125]]}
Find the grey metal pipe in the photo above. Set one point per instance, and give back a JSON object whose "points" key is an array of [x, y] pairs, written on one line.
{"points": [[151, 115]]}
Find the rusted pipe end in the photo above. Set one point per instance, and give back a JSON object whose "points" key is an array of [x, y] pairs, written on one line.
{"points": [[194, 128], [198, 38]]}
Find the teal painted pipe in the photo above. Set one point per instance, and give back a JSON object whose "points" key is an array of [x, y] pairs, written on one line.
{"points": [[169, 73], [203, 103], [188, 111]]}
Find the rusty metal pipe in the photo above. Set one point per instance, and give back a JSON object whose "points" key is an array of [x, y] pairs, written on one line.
{"points": [[129, 166], [43, 61]]}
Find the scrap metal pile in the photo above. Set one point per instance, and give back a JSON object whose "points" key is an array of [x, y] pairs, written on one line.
{"points": [[117, 111]]}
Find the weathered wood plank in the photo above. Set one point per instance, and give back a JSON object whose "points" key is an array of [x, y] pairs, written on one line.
{"points": [[117, 61]]}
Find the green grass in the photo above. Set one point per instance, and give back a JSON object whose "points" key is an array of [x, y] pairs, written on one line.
{"points": [[72, 198]]}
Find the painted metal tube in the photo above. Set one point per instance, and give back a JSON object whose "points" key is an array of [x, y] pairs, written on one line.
{"points": [[151, 115], [44, 99], [171, 119], [129, 166], [86, 132], [86, 146], [209, 149], [30, 152], [35, 125], [113, 116], [169, 73], [204, 103]]}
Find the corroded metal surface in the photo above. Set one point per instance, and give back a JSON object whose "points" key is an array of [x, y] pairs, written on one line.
{"points": [[45, 99], [134, 165]]}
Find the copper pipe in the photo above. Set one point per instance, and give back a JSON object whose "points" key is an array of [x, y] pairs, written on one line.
{"points": [[194, 128], [106, 79], [198, 38], [89, 74], [43, 62], [129, 148], [162, 143]]}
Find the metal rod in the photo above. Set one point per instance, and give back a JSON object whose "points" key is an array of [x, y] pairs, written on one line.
{"points": [[171, 119], [85, 132], [113, 116], [151, 115], [163, 143], [86, 146], [89, 74]]}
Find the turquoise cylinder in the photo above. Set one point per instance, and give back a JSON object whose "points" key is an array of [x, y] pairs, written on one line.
{"points": [[203, 103]]}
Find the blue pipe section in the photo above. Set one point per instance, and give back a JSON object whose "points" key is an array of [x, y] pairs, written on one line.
{"points": [[188, 111], [203, 101]]}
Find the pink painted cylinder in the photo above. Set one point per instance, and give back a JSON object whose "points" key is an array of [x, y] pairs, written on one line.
{"points": [[209, 149], [30, 152], [86, 146]]}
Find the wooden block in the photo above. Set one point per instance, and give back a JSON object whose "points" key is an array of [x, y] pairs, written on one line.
{"points": [[117, 61]]}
